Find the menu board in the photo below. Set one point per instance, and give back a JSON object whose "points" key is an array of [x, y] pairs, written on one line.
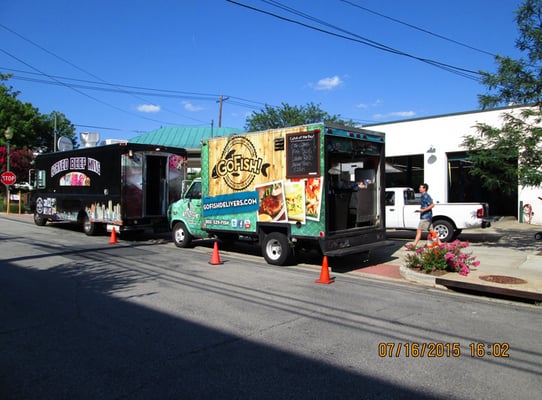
{"points": [[302, 154]]}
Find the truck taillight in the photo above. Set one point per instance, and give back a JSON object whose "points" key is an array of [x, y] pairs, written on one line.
{"points": [[480, 213]]}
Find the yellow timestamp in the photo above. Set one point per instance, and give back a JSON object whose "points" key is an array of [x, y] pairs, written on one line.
{"points": [[497, 350], [441, 349], [422, 349]]}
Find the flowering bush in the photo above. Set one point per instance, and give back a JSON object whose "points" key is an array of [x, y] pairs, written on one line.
{"points": [[444, 257]]}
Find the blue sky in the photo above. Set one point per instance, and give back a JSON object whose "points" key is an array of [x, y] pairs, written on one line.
{"points": [[125, 68]]}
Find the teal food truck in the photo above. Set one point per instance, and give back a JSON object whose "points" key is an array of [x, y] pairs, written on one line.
{"points": [[317, 185]]}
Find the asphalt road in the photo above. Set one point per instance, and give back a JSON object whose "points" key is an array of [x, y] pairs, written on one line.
{"points": [[84, 319]]}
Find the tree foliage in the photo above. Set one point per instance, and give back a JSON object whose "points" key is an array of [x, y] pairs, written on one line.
{"points": [[495, 152], [286, 115], [30, 128], [503, 157], [32, 131], [20, 162]]}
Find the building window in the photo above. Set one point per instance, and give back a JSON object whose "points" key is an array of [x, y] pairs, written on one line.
{"points": [[404, 171], [463, 187]]}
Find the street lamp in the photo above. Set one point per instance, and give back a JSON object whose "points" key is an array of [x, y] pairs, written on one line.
{"points": [[8, 134]]}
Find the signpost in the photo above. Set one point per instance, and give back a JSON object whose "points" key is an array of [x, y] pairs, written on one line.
{"points": [[8, 178]]}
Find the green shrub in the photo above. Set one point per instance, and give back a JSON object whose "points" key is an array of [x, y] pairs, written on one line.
{"points": [[13, 206]]}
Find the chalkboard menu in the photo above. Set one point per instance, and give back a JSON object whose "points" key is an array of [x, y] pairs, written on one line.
{"points": [[302, 154]]}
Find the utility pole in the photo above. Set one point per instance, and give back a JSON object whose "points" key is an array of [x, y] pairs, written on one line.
{"points": [[54, 136], [221, 101]]}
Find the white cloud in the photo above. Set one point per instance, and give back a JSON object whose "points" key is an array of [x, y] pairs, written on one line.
{"points": [[376, 103], [403, 114], [148, 108], [191, 107], [328, 83], [395, 114]]}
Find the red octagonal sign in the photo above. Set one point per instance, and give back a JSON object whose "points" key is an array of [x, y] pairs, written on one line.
{"points": [[8, 178]]}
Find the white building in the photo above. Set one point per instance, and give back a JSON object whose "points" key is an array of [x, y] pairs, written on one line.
{"points": [[430, 150]]}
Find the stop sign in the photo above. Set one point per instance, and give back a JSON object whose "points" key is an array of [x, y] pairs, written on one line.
{"points": [[8, 178]]}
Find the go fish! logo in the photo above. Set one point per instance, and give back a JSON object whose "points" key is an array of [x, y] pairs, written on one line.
{"points": [[239, 164]]}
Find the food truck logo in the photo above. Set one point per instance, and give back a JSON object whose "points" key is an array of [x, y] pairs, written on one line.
{"points": [[239, 164]]}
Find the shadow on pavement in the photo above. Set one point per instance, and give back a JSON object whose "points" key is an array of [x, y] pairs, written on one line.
{"points": [[67, 334]]}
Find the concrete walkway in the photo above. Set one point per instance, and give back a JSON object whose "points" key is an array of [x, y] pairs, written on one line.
{"points": [[510, 263]]}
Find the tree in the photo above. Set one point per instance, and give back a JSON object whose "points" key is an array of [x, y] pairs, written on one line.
{"points": [[32, 131], [286, 115], [503, 157], [31, 128], [20, 162]]}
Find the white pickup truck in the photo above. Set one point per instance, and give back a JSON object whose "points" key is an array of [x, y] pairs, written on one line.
{"points": [[449, 219]]}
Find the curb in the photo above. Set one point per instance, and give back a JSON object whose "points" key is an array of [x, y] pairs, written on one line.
{"points": [[423, 279]]}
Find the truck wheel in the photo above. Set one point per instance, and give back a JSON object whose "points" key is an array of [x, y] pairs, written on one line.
{"points": [[181, 237], [39, 221], [89, 227], [275, 248], [444, 229]]}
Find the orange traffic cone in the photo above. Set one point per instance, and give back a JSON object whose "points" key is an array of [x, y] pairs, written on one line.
{"points": [[432, 239], [215, 258], [324, 273], [113, 237]]}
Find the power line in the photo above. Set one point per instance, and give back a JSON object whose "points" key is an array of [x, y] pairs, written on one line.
{"points": [[126, 89], [112, 87], [84, 70], [418, 28], [466, 73], [72, 88]]}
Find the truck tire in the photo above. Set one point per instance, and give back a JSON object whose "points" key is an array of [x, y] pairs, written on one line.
{"points": [[444, 229], [89, 227], [181, 237], [39, 221], [276, 249]]}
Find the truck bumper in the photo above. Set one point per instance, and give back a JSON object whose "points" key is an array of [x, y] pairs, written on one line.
{"points": [[348, 242], [362, 248], [486, 223]]}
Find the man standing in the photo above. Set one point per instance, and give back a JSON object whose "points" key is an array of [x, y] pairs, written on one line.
{"points": [[426, 215]]}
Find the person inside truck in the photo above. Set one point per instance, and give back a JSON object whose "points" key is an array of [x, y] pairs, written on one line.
{"points": [[426, 215]]}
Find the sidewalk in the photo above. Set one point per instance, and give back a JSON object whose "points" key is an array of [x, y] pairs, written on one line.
{"points": [[510, 263]]}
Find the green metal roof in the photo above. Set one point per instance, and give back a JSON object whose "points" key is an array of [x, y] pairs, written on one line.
{"points": [[187, 137]]}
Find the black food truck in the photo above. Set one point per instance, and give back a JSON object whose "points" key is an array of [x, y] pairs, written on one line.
{"points": [[121, 186]]}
